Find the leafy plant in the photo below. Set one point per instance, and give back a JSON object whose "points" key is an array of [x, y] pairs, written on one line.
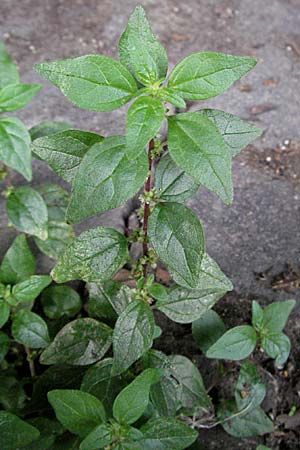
{"points": [[106, 387]]}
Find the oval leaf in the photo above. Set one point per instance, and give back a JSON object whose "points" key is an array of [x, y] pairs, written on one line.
{"points": [[277, 346], [18, 262], [237, 343], [207, 74], [198, 148], [14, 432], [105, 179], [27, 212], [177, 237], [144, 119], [81, 342], [15, 96], [95, 255], [4, 312], [100, 437], [133, 400], [133, 335], [78, 411], [14, 146], [208, 329], [63, 151], [28, 290], [59, 301], [93, 82], [30, 329]]}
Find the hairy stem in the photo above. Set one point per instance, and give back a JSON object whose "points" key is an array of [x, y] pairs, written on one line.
{"points": [[147, 188]]}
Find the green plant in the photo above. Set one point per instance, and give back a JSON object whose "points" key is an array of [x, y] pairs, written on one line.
{"points": [[136, 397]]}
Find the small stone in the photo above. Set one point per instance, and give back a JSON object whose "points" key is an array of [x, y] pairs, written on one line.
{"points": [[268, 159]]}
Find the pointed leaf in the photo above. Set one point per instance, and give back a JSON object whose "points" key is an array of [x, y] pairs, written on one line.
{"points": [[100, 437], [30, 329], [27, 211], [144, 119], [276, 315], [4, 312], [9, 72], [108, 299], [18, 262], [177, 237], [133, 335], [28, 290], [207, 74], [211, 276], [63, 151], [198, 148], [133, 400], [14, 146], [93, 82], [172, 183], [237, 133], [47, 128], [171, 96], [187, 305], [277, 346], [192, 390], [15, 96], [237, 343], [78, 411], [81, 342], [257, 315], [167, 434], [140, 51], [59, 301], [15, 432], [95, 255], [105, 179], [249, 389], [208, 329]]}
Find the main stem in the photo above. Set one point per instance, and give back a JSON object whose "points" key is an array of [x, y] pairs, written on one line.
{"points": [[147, 188]]}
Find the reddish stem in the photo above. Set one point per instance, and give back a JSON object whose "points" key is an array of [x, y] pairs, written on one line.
{"points": [[147, 188]]}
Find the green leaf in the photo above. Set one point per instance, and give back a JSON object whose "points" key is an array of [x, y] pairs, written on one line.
{"points": [[59, 301], [14, 146], [99, 381], [78, 411], [140, 51], [134, 398], [9, 72], [211, 276], [187, 305], [167, 434], [49, 430], [47, 128], [172, 183], [93, 82], [56, 199], [277, 346], [164, 394], [15, 432], [107, 298], [100, 437], [208, 329], [237, 343], [27, 211], [15, 96], [171, 96], [198, 148], [177, 237], [81, 342], [133, 335], [30, 329], [276, 315], [63, 151], [263, 447], [4, 312], [4, 345], [99, 305], [257, 315], [237, 133], [255, 423], [28, 290], [12, 394], [105, 179], [143, 121], [130, 438], [204, 75], [95, 255], [158, 291], [192, 390], [249, 390], [18, 262]]}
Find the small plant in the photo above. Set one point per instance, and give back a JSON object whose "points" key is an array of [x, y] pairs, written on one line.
{"points": [[108, 387]]}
